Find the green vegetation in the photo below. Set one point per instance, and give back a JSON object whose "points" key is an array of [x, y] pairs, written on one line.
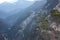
{"points": [[55, 14], [42, 23], [41, 32]]}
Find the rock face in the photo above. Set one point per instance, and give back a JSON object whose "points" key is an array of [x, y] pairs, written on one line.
{"points": [[53, 32], [50, 4], [58, 7], [55, 26]]}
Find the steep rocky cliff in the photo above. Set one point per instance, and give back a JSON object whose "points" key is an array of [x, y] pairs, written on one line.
{"points": [[53, 31]]}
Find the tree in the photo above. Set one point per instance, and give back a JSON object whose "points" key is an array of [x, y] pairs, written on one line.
{"points": [[55, 15], [42, 25], [43, 22]]}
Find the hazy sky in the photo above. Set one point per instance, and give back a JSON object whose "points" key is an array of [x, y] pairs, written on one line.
{"points": [[30, 0], [10, 1], [34, 0]]}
